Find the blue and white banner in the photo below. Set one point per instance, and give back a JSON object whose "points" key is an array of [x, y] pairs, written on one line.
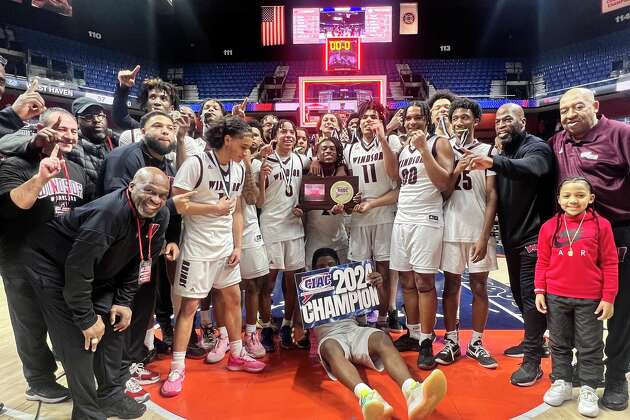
{"points": [[335, 293]]}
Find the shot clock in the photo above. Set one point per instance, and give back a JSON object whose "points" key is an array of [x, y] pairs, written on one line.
{"points": [[343, 54]]}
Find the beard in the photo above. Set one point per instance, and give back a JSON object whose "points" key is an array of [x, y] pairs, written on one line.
{"points": [[157, 146], [511, 138]]}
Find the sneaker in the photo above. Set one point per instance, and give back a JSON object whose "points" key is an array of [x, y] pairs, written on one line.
{"points": [[422, 398], [587, 402], [526, 375], [50, 393], [514, 351], [286, 340], [559, 392], [426, 360], [134, 390], [253, 346], [449, 353], [266, 335], [304, 342], [143, 375], [173, 385], [193, 351], [208, 338], [244, 362], [616, 395], [480, 354], [374, 407], [161, 346], [123, 408], [406, 343], [392, 321], [218, 352]]}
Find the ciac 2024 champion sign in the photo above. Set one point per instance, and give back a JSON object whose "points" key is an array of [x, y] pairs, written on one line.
{"points": [[335, 293]]}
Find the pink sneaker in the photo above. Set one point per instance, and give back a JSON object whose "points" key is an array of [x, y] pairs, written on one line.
{"points": [[245, 362], [173, 385], [253, 346], [218, 352]]}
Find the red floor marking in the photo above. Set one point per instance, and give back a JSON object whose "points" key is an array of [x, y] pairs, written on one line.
{"points": [[292, 386]]}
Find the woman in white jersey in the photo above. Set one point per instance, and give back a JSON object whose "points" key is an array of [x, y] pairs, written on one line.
{"points": [[425, 166], [211, 242], [279, 180]]}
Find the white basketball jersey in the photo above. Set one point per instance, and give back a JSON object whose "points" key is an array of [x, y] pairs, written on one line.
{"points": [[465, 208], [251, 230], [366, 162], [207, 237], [277, 221], [419, 201]]}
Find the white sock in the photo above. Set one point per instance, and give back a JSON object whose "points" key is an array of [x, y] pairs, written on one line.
{"points": [[206, 318], [178, 361], [250, 329], [223, 332], [407, 384], [361, 390], [476, 336], [236, 347], [148, 339], [266, 324], [453, 336], [287, 322], [414, 331], [424, 336], [381, 319]]}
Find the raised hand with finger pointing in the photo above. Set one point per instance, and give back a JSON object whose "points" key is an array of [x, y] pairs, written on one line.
{"points": [[127, 78], [30, 104]]}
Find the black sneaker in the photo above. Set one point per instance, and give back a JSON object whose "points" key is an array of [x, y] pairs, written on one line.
{"points": [[480, 354], [267, 339], [193, 351], [286, 340], [51, 393], [406, 343], [161, 346], [123, 408], [304, 342], [449, 353], [392, 321], [426, 361], [616, 396], [514, 351], [526, 375]]}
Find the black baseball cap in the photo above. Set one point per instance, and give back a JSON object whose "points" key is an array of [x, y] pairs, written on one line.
{"points": [[80, 105]]}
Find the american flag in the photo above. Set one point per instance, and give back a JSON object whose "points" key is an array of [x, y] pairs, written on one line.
{"points": [[272, 25]]}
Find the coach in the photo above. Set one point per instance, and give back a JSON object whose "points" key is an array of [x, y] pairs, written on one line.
{"points": [[599, 149]]}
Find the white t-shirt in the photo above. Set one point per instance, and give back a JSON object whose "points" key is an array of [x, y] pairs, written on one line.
{"points": [[365, 160], [465, 209], [251, 230], [277, 221], [208, 237]]}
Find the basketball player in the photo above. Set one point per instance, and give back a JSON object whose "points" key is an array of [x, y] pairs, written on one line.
{"points": [[211, 242], [425, 167], [468, 219], [373, 160], [279, 180], [439, 103]]}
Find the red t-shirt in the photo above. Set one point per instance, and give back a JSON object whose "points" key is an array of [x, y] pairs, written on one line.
{"points": [[592, 271]]}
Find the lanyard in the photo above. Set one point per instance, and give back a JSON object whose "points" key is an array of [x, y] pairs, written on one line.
{"points": [[226, 185], [65, 171], [153, 228], [287, 181]]}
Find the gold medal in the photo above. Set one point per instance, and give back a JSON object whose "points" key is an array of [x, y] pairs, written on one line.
{"points": [[570, 253]]}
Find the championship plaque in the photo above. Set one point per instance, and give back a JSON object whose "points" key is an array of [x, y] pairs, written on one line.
{"points": [[323, 193]]}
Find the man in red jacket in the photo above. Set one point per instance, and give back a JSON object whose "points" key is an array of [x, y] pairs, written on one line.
{"points": [[599, 150]]}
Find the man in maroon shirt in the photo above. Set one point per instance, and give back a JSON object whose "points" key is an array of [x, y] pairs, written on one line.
{"points": [[600, 151]]}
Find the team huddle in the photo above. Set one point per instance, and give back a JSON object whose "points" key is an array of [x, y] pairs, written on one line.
{"points": [[181, 214]]}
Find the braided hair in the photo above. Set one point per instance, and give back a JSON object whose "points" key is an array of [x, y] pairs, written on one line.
{"points": [[339, 160], [589, 207]]}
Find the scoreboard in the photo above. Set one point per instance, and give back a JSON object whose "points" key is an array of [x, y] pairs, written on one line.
{"points": [[343, 54]]}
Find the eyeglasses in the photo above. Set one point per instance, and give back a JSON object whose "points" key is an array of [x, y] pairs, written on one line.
{"points": [[93, 117]]}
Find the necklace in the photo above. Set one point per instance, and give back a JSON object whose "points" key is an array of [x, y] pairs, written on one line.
{"points": [[571, 240]]}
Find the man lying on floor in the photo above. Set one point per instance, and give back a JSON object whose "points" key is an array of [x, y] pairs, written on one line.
{"points": [[344, 343]]}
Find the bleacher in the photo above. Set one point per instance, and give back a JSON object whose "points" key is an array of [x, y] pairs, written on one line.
{"points": [[581, 63], [226, 80]]}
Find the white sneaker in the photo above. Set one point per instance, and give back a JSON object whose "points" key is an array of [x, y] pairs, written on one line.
{"points": [[587, 402], [422, 398], [374, 407], [559, 392]]}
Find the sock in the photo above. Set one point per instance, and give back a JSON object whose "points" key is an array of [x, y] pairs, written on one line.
{"points": [[223, 332], [178, 360], [148, 339], [424, 336], [266, 324], [453, 336], [250, 329], [361, 390], [408, 384], [236, 347], [414, 331], [287, 322], [206, 318], [381, 319], [476, 336]]}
